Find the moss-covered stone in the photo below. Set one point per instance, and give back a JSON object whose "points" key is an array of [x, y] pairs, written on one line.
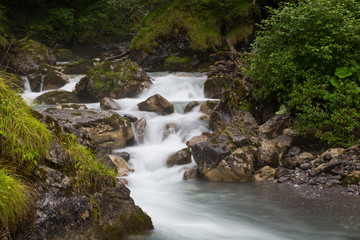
{"points": [[57, 97]]}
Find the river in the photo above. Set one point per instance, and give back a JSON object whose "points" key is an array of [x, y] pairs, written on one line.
{"points": [[206, 210]]}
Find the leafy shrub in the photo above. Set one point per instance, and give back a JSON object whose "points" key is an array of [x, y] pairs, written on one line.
{"points": [[209, 24], [307, 57], [24, 140]]}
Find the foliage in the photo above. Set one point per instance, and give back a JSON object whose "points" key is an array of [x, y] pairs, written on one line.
{"points": [[3, 40], [307, 57], [24, 140], [209, 24], [89, 174], [15, 202]]}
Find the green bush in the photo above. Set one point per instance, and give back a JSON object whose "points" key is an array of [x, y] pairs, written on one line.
{"points": [[307, 57], [209, 24]]}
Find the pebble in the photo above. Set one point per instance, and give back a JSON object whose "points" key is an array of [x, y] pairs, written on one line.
{"points": [[305, 166]]}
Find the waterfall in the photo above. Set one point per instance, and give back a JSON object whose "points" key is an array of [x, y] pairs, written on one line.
{"points": [[27, 87]]}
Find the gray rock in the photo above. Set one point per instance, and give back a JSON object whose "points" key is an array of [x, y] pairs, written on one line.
{"points": [[109, 104], [181, 157], [124, 155], [264, 174], [197, 139], [305, 166], [294, 151], [140, 129], [275, 125], [191, 173], [107, 129], [157, 104], [269, 153]]}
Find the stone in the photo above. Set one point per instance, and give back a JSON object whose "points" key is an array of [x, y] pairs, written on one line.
{"points": [[275, 125], [214, 84], [305, 166], [105, 128], [264, 174], [114, 79], [191, 173], [331, 153], [157, 104], [170, 128], [109, 104], [57, 97], [140, 130], [181, 157], [131, 117], [81, 66], [53, 78], [190, 106], [269, 153], [284, 141], [64, 55], [35, 81], [306, 156], [197, 139], [124, 155], [237, 167], [294, 151], [123, 168], [26, 56]]}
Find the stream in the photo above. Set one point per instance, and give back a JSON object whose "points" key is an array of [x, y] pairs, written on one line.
{"points": [[207, 210]]}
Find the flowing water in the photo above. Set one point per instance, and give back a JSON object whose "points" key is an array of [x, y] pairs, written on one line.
{"points": [[207, 210]]}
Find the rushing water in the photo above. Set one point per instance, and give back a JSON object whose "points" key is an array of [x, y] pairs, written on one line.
{"points": [[202, 210]]}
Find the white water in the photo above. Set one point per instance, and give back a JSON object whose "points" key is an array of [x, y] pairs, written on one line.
{"points": [[201, 210]]}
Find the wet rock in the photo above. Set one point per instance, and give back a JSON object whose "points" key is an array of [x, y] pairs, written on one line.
{"points": [[190, 106], [107, 129], [197, 139], [114, 79], [57, 97], [123, 168], [181, 157], [269, 153], [26, 56], [35, 81], [124, 155], [237, 167], [275, 125], [109, 104], [140, 129], [191, 173], [52, 77], [264, 174], [131, 117], [157, 104], [170, 128]]}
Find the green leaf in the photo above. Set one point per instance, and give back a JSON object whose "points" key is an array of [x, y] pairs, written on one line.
{"points": [[282, 110], [334, 81], [344, 72]]}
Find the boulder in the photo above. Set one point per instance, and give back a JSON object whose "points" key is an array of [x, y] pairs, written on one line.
{"points": [[114, 79], [190, 106], [208, 106], [269, 153], [157, 104], [214, 84], [57, 97], [264, 174], [109, 104], [35, 80], [54, 79], [181, 157], [26, 56], [124, 155], [107, 129]]}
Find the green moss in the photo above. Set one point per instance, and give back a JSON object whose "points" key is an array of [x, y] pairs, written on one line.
{"points": [[176, 60]]}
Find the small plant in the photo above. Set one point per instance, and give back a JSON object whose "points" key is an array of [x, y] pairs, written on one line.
{"points": [[15, 203], [88, 173]]}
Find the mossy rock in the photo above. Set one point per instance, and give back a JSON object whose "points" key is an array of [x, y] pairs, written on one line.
{"points": [[63, 55], [81, 66], [27, 55], [54, 79], [352, 179], [57, 97], [214, 84], [114, 79]]}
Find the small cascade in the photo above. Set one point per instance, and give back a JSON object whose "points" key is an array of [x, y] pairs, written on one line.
{"points": [[42, 83], [27, 87]]}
